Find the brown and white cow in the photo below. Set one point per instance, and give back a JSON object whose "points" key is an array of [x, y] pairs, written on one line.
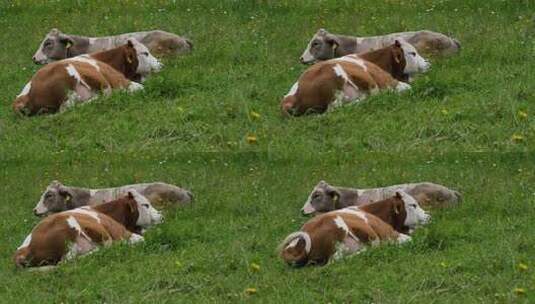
{"points": [[325, 197], [325, 45], [68, 234], [57, 45], [58, 197], [352, 78], [64, 83]]}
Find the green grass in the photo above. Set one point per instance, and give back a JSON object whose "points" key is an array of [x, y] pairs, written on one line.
{"points": [[189, 127]]}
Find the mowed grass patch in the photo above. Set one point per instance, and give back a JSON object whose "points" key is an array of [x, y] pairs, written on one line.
{"points": [[245, 59], [247, 203]]}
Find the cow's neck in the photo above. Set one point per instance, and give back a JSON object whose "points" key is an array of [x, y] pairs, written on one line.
{"points": [[348, 197], [79, 47], [80, 197], [121, 212], [116, 58], [348, 45]]}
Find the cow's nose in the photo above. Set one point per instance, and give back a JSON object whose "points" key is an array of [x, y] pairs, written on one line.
{"points": [[302, 60], [35, 212]]}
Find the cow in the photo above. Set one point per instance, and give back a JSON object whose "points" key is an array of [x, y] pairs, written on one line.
{"points": [[66, 235], [58, 197], [325, 197], [325, 45], [348, 231], [352, 78], [62, 84], [57, 45]]}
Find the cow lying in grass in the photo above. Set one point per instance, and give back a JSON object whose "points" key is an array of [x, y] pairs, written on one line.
{"points": [[58, 197], [64, 83], [350, 230], [325, 198], [352, 78], [325, 45], [57, 45], [65, 235]]}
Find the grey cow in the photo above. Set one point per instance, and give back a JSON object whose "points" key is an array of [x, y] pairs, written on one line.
{"points": [[58, 197], [325, 197], [57, 45], [325, 45]]}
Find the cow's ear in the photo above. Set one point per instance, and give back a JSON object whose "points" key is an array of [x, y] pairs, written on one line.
{"points": [[333, 41], [129, 43], [397, 44], [132, 205], [398, 195], [67, 195], [397, 207], [66, 40]]}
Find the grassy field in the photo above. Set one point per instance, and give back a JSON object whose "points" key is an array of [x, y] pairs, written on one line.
{"points": [[467, 124]]}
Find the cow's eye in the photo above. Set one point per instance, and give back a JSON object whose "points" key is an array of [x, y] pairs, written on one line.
{"points": [[413, 54], [146, 206], [145, 54], [413, 206]]}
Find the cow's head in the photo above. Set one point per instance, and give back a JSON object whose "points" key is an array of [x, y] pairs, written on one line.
{"points": [[54, 47], [429, 194], [147, 215], [415, 215], [56, 198], [295, 249], [323, 198], [322, 47], [414, 63], [138, 56]]}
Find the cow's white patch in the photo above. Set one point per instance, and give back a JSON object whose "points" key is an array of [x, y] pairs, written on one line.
{"points": [[415, 214], [402, 86], [147, 214], [296, 236], [293, 243], [134, 86], [293, 89], [26, 242], [354, 60], [146, 62], [414, 62], [92, 40], [88, 212], [359, 213], [88, 60], [340, 72], [73, 223], [340, 223], [25, 90], [71, 70]]}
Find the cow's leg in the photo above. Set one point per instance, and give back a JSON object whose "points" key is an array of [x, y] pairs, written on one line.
{"points": [[80, 246], [402, 86], [403, 238], [134, 86], [347, 247], [135, 238]]}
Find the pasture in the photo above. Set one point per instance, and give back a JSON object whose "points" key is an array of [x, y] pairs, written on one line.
{"points": [[210, 122]]}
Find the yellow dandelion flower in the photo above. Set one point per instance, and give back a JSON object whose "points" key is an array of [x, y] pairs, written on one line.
{"points": [[517, 137], [250, 291], [444, 112], [522, 267], [522, 114], [252, 139], [254, 267], [254, 115], [519, 291]]}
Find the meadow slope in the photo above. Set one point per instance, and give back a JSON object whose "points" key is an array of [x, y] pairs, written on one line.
{"points": [[468, 124]]}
